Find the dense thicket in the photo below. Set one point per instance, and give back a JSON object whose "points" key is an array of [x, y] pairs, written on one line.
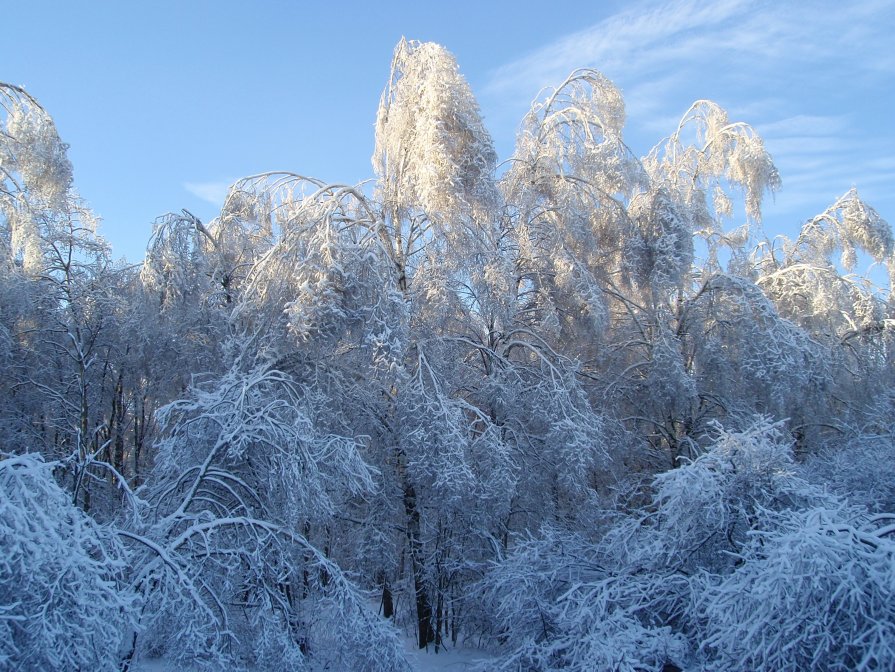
{"points": [[579, 409]]}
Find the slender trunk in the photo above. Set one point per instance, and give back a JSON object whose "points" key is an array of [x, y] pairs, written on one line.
{"points": [[140, 428], [454, 617], [439, 620], [426, 635], [117, 420], [388, 601]]}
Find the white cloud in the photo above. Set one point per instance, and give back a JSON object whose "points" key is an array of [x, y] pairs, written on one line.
{"points": [[735, 44], [211, 192], [813, 78], [806, 146], [635, 40], [884, 163], [804, 125]]}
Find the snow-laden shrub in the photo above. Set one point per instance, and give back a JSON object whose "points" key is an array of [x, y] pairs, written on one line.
{"points": [[627, 601], [616, 625], [862, 470], [223, 552], [815, 591], [62, 605], [703, 510], [555, 606]]}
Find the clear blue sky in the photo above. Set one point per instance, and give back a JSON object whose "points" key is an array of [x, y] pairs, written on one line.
{"points": [[164, 103]]}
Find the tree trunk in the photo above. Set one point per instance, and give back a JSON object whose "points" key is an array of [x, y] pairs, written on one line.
{"points": [[426, 635], [388, 602]]}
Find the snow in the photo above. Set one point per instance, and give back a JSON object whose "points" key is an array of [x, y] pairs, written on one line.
{"points": [[460, 658], [421, 660], [571, 413]]}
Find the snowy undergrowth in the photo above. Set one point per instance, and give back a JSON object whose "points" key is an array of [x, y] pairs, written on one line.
{"points": [[63, 603], [737, 563]]}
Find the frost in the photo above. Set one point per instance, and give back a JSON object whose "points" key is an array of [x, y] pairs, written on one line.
{"points": [[432, 149], [63, 601], [35, 174], [814, 592], [573, 415], [707, 154]]}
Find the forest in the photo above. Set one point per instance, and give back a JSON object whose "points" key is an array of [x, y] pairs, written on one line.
{"points": [[576, 408]]}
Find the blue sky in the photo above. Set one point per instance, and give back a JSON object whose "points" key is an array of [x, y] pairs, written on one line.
{"points": [[165, 103]]}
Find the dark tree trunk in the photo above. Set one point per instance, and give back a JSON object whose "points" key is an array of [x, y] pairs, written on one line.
{"points": [[388, 602], [423, 606]]}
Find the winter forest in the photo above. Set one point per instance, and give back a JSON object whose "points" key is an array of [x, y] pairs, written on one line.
{"points": [[573, 408]]}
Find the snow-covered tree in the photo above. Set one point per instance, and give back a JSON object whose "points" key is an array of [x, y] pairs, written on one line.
{"points": [[626, 600], [434, 159], [222, 558], [812, 282], [573, 409], [814, 591], [566, 187], [66, 388], [707, 157], [35, 175], [64, 602]]}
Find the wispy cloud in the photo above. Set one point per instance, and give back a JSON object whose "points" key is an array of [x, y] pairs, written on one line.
{"points": [[667, 48], [821, 157], [804, 124], [631, 41], [810, 77], [211, 192]]}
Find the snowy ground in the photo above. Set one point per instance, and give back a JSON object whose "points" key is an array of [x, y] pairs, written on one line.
{"points": [[451, 660]]}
